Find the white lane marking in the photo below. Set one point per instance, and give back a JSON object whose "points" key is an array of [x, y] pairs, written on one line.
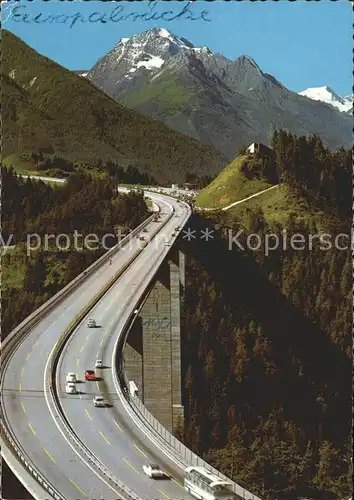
{"points": [[116, 423]]}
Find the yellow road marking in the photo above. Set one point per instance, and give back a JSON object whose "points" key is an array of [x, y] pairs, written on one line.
{"points": [[164, 494], [77, 361], [119, 427], [49, 455], [23, 406], [88, 415], [33, 431], [82, 348], [35, 345], [22, 371], [97, 384], [20, 387], [104, 437], [101, 342], [139, 450], [178, 484], [28, 356], [130, 465], [78, 487]]}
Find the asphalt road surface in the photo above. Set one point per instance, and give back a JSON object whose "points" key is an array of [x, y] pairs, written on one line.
{"points": [[108, 432]]}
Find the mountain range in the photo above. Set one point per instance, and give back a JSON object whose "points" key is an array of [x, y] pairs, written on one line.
{"points": [[51, 110], [328, 96], [226, 104]]}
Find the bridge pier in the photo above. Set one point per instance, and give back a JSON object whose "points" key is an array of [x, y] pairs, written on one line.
{"points": [[152, 356]]}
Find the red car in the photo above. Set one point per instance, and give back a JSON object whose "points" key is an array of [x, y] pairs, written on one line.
{"points": [[90, 375]]}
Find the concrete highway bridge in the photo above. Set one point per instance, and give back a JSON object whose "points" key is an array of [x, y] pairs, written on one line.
{"points": [[59, 445]]}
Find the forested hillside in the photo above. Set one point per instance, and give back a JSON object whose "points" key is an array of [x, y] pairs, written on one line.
{"points": [[33, 207], [51, 110], [30, 278], [321, 175], [267, 340], [267, 336]]}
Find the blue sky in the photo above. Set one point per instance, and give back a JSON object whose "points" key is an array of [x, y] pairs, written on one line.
{"points": [[303, 44]]}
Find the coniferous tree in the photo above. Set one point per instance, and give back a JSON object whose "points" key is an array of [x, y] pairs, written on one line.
{"points": [[35, 275]]}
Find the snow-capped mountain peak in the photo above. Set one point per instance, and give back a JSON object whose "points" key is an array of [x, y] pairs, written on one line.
{"points": [[327, 95], [180, 42], [144, 53], [220, 101], [157, 37], [203, 50]]}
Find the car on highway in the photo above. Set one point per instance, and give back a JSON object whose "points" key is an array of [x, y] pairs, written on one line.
{"points": [[70, 388], [99, 363], [153, 470], [91, 323], [71, 377], [99, 401], [90, 375]]}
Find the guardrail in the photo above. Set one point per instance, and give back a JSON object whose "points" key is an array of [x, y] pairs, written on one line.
{"points": [[165, 441], [53, 401], [44, 309], [55, 408], [29, 465], [159, 435], [176, 450], [16, 337]]}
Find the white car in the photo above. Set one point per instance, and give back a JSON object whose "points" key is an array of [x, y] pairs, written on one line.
{"points": [[71, 377], [98, 363], [70, 388], [91, 323], [99, 401], [153, 470]]}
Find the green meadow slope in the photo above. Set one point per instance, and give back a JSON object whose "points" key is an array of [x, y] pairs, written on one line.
{"points": [[277, 206], [230, 185]]}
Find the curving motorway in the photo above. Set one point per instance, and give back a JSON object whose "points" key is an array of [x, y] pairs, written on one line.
{"points": [[108, 432]]}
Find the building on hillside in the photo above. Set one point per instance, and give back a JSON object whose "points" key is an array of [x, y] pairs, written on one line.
{"points": [[261, 149], [188, 186]]}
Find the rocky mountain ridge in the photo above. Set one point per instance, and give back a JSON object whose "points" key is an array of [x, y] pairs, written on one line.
{"points": [[227, 104]]}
